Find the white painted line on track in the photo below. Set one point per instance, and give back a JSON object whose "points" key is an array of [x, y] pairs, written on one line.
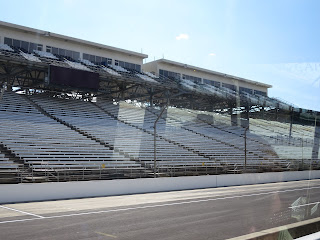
{"points": [[159, 205], [302, 205], [107, 235], [16, 210], [21, 220]]}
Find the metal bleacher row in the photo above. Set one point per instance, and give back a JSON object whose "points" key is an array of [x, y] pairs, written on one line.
{"points": [[180, 142], [224, 145], [293, 148], [42, 144], [107, 128], [55, 138]]}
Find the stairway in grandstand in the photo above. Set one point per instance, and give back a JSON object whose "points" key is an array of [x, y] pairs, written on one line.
{"points": [[9, 166], [51, 151]]}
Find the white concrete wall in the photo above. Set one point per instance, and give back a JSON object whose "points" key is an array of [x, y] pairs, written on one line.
{"points": [[12, 193], [151, 67]]}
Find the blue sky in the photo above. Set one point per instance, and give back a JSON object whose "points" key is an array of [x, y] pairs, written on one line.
{"points": [[274, 41]]}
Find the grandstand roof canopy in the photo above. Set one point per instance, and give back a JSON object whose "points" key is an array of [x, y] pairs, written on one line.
{"points": [[67, 38], [166, 61]]}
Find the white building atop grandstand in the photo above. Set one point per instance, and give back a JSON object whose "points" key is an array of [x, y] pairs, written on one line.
{"points": [[80, 54], [176, 70], [50, 44]]}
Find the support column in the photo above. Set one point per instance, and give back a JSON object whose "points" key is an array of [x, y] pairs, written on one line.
{"points": [[234, 117], [191, 102], [151, 98], [291, 122], [316, 141], [245, 117], [2, 90]]}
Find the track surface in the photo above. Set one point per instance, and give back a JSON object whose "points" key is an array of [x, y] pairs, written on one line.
{"points": [[214, 213]]}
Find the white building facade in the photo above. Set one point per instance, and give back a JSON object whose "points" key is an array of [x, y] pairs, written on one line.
{"points": [[30, 39], [176, 70]]}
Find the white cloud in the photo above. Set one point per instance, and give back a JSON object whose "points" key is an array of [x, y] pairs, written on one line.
{"points": [[212, 54], [182, 36]]}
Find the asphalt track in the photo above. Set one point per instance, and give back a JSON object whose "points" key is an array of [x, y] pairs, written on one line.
{"points": [[214, 213]]}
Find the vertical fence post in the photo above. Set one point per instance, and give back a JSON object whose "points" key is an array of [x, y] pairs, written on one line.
{"points": [[155, 140], [245, 148]]}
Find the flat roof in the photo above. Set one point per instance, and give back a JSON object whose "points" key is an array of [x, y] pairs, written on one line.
{"points": [[71, 39], [162, 60]]}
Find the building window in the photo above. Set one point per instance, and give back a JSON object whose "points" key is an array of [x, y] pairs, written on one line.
{"points": [[212, 83], [39, 47], [127, 65], [121, 64], [97, 59], [92, 58], [106, 61], [23, 45], [257, 92], [69, 53], [169, 74], [16, 43], [55, 51], [63, 52], [75, 55], [229, 86], [8, 41], [32, 46], [246, 90], [191, 78]]}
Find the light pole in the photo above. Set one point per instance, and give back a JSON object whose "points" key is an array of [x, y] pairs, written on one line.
{"points": [[2, 90], [155, 139], [245, 148]]}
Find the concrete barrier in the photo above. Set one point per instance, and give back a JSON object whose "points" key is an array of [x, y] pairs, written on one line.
{"points": [[25, 192], [271, 177]]}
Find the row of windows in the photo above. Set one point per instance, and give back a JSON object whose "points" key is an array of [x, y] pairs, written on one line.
{"points": [[63, 52], [212, 83], [169, 74], [230, 86], [245, 90], [191, 78], [97, 59], [128, 65], [26, 46], [29, 47], [256, 92]]}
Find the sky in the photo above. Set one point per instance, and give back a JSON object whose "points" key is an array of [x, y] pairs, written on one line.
{"points": [[274, 42]]}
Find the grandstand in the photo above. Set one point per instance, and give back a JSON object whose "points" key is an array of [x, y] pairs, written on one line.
{"points": [[73, 110]]}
